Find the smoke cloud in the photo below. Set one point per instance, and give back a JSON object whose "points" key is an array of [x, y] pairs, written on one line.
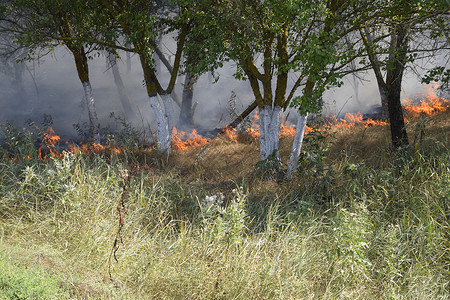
{"points": [[51, 86]]}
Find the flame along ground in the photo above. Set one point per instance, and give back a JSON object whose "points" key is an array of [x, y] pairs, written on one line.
{"points": [[429, 104]]}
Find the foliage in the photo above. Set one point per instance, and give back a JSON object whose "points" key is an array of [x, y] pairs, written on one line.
{"points": [[269, 167], [224, 224], [124, 135], [437, 74], [295, 37], [19, 144]]}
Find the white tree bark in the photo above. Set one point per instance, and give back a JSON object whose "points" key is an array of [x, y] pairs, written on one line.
{"points": [[297, 145], [170, 115], [163, 133], [269, 126], [92, 112]]}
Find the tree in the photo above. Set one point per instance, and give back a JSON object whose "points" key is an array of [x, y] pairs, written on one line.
{"points": [[139, 23], [13, 64], [187, 106], [45, 24], [403, 19], [271, 42]]}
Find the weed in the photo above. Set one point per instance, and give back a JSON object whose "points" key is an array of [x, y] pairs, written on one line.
{"points": [[270, 168]]}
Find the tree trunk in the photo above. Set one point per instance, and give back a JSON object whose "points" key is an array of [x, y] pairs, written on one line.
{"points": [[162, 121], [296, 146], [123, 96], [170, 115], [81, 63], [169, 68], [375, 64], [269, 124], [187, 113], [398, 62], [384, 101], [92, 113], [23, 102]]}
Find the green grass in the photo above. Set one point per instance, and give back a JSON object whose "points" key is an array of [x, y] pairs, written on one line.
{"points": [[20, 281], [345, 228]]}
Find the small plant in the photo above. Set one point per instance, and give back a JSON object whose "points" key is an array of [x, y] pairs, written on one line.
{"points": [[271, 167], [126, 135], [419, 133], [226, 224], [18, 144], [312, 161], [349, 236]]}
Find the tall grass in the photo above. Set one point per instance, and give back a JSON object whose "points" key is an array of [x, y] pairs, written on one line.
{"points": [[345, 228]]}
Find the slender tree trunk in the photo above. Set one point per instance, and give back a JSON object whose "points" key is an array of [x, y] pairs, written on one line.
{"points": [[384, 101], [92, 113], [375, 64], [162, 111], [128, 62], [169, 68], [123, 96], [23, 102], [269, 126], [170, 115], [398, 62], [297, 146], [187, 113], [81, 63]]}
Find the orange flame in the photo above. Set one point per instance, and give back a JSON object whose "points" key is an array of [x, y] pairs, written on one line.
{"points": [[231, 134], [50, 139], [428, 105], [183, 141], [253, 130], [352, 120]]}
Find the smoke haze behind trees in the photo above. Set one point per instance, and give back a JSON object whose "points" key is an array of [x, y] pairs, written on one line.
{"points": [[50, 86]]}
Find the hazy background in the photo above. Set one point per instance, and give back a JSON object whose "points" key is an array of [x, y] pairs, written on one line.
{"points": [[51, 86]]}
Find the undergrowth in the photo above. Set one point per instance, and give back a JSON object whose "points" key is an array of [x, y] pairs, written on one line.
{"points": [[344, 228]]}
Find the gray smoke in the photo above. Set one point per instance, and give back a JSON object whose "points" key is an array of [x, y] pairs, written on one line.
{"points": [[51, 86]]}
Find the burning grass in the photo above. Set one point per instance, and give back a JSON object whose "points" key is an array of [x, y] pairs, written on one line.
{"points": [[53, 146], [428, 104]]}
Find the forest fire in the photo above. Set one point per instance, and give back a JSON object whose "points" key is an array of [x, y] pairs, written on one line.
{"points": [[184, 141], [352, 120], [94, 147], [51, 143], [230, 134], [50, 139], [428, 105]]}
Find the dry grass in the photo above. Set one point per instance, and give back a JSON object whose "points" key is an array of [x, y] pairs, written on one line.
{"points": [[354, 226]]}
